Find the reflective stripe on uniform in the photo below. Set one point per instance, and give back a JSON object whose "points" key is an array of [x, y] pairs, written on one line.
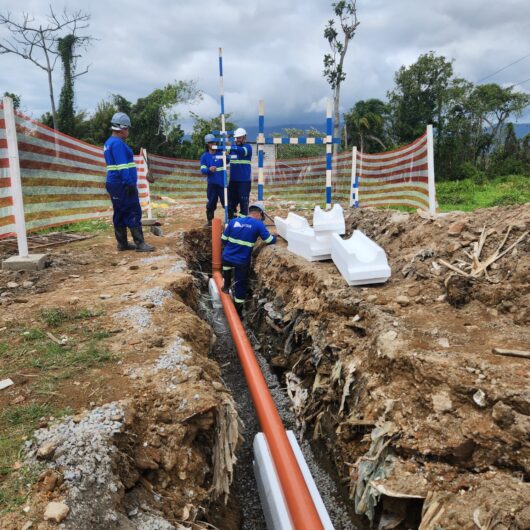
{"points": [[239, 300], [269, 239], [224, 237], [240, 162], [119, 167], [225, 268], [241, 242], [204, 167]]}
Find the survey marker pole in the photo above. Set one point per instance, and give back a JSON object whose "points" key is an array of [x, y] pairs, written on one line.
{"points": [[223, 132]]}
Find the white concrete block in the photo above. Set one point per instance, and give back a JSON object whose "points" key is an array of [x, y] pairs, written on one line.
{"points": [[31, 262], [309, 244], [330, 221], [359, 259], [291, 221], [270, 491]]}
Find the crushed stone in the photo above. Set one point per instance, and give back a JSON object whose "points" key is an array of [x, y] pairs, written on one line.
{"points": [[178, 266], [154, 259], [174, 357], [156, 296], [138, 316]]}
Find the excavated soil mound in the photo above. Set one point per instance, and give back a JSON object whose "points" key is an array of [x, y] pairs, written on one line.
{"points": [[424, 422]]}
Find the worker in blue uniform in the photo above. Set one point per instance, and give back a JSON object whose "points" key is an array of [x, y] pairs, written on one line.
{"points": [[240, 174], [212, 168], [121, 185], [238, 239]]}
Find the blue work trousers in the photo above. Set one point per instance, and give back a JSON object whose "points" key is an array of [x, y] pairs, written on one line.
{"points": [[238, 194], [127, 209], [241, 275], [214, 192]]}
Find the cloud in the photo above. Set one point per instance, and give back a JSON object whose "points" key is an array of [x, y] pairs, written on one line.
{"points": [[272, 50]]}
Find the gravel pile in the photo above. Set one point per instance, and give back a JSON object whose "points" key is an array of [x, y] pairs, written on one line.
{"points": [[138, 316], [179, 266], [174, 357], [83, 450], [156, 296], [154, 259]]}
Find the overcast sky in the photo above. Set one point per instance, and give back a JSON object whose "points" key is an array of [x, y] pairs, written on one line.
{"points": [[273, 50]]}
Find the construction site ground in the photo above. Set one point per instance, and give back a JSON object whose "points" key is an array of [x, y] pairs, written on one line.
{"points": [[119, 411]]}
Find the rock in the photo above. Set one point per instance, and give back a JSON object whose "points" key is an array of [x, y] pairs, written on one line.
{"points": [[456, 228], [27, 284], [502, 414], [50, 481], [74, 300], [134, 267], [479, 397], [12, 285], [312, 306], [154, 268], [441, 402], [414, 290], [388, 343], [27, 525], [105, 296], [403, 300], [46, 450], [398, 218], [56, 511], [371, 298], [443, 342]]}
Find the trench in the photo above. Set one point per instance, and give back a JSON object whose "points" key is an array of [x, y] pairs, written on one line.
{"points": [[244, 499]]}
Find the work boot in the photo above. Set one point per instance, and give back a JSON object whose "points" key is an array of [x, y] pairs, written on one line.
{"points": [[227, 277], [120, 233], [138, 236], [239, 308], [209, 216]]}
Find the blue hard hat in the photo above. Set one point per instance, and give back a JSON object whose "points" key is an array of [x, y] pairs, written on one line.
{"points": [[209, 138], [120, 121]]}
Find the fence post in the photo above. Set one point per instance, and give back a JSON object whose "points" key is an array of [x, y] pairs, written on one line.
{"points": [[143, 152], [354, 189], [329, 147], [260, 142], [430, 171], [14, 175]]}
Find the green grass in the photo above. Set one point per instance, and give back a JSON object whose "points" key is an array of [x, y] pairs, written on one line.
{"points": [[56, 316], [92, 226], [468, 195]]}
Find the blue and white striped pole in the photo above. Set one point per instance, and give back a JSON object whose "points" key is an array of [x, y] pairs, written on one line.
{"points": [[329, 147], [223, 132], [260, 141]]}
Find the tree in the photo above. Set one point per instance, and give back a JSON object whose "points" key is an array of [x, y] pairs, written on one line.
{"points": [[285, 151], [420, 96], [346, 11], [154, 119], [15, 98], [366, 125], [201, 127], [39, 43]]}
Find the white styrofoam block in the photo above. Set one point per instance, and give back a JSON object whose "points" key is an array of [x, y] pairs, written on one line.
{"points": [[332, 220], [270, 491], [310, 245], [291, 221], [359, 259]]}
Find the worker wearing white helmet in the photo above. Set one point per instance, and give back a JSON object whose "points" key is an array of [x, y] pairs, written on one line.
{"points": [[122, 186], [240, 174]]}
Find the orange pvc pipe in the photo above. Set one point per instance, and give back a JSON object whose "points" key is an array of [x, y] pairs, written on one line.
{"points": [[302, 510]]}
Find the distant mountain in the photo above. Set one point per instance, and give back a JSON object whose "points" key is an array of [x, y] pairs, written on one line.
{"points": [[522, 129]]}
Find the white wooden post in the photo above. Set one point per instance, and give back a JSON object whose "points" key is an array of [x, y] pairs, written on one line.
{"points": [[354, 188], [14, 175], [430, 171], [144, 157]]}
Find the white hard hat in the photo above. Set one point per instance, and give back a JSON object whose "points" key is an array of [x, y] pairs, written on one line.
{"points": [[120, 121], [239, 132]]}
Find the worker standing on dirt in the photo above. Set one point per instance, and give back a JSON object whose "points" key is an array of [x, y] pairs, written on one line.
{"points": [[240, 174], [238, 239], [122, 187], [212, 168]]}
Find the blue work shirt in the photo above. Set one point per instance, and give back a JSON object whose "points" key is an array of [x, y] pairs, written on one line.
{"points": [[119, 157], [240, 163], [208, 160], [240, 236]]}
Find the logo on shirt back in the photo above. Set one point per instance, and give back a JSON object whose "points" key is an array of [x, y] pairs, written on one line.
{"points": [[237, 224]]}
